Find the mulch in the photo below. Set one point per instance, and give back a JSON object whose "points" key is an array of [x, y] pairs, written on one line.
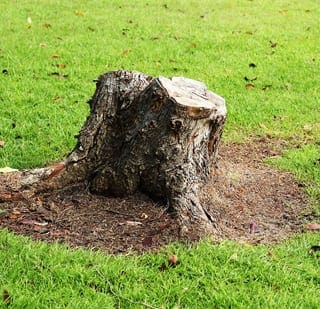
{"points": [[251, 201]]}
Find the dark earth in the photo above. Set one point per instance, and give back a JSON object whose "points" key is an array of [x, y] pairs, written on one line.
{"points": [[251, 201]]}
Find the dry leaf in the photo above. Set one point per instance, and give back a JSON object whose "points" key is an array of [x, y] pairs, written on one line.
{"points": [[250, 86], [234, 256], [173, 260], [54, 56], [261, 125], [62, 76], [307, 128], [15, 214], [266, 87], [270, 253], [313, 226], [61, 65], [7, 169], [43, 45], [79, 12], [126, 52], [6, 297], [253, 228], [273, 44], [2, 143], [57, 99]]}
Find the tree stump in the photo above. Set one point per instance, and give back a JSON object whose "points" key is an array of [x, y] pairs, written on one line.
{"points": [[156, 135]]}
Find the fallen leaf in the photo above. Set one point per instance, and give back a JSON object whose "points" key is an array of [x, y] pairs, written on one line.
{"points": [[79, 12], [46, 25], [253, 228], [173, 260], [270, 253], [247, 245], [2, 143], [7, 169], [313, 226], [250, 86], [158, 63], [6, 297], [163, 267], [54, 56], [234, 256], [61, 65], [62, 76], [126, 52], [261, 125], [15, 214], [57, 99], [266, 87], [40, 229], [314, 248], [43, 45], [247, 79], [307, 128], [273, 44], [287, 86]]}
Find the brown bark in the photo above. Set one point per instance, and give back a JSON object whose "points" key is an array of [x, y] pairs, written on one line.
{"points": [[156, 135]]}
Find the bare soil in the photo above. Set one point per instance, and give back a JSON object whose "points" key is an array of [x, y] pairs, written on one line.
{"points": [[251, 201]]}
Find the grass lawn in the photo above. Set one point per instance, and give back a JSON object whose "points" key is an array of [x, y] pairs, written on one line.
{"points": [[262, 56]]}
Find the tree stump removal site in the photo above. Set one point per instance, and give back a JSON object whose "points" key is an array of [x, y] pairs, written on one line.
{"points": [[156, 135]]}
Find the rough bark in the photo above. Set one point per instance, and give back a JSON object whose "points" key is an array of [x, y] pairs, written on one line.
{"points": [[156, 135]]}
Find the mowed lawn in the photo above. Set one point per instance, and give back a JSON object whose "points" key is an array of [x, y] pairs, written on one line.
{"points": [[263, 57]]}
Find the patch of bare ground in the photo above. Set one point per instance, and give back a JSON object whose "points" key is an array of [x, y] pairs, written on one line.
{"points": [[251, 201]]}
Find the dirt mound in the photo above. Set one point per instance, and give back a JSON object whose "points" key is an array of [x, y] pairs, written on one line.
{"points": [[252, 203]]}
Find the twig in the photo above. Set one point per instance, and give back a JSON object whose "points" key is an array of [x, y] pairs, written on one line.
{"points": [[120, 296]]}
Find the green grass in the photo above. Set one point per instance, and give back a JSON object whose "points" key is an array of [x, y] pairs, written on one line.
{"points": [[51, 51], [216, 43], [226, 275]]}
